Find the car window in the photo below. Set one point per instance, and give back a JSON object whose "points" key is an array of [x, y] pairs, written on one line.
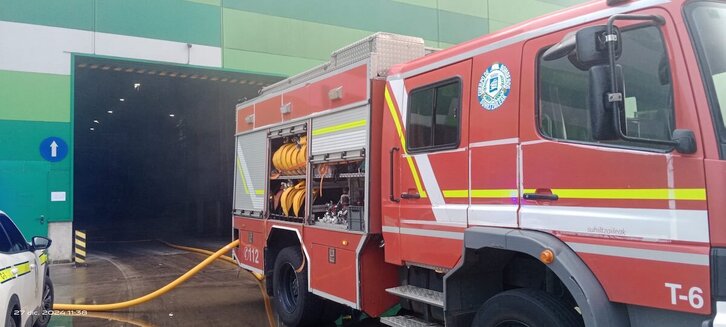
{"points": [[5, 244], [563, 92], [708, 22], [17, 241], [433, 117]]}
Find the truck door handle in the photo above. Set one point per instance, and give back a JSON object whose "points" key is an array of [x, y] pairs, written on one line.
{"points": [[541, 196], [409, 196], [391, 196]]}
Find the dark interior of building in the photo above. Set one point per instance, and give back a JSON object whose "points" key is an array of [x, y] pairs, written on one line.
{"points": [[154, 148]]}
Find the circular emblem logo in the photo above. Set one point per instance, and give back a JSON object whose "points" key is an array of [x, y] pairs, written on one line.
{"points": [[494, 86]]}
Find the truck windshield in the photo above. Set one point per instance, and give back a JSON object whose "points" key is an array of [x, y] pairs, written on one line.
{"points": [[708, 25]]}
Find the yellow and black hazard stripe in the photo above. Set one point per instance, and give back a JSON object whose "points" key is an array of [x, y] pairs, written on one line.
{"points": [[43, 258], [23, 268], [80, 247], [6, 274]]}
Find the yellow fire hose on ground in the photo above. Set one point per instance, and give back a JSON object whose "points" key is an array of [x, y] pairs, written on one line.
{"points": [[148, 297], [259, 278]]}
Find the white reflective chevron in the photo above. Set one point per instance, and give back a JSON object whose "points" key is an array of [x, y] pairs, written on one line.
{"points": [[401, 97]]}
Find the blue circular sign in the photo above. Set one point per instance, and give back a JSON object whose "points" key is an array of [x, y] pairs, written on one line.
{"points": [[53, 149], [494, 86]]}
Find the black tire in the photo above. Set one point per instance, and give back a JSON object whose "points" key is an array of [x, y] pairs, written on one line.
{"points": [[12, 318], [46, 305], [293, 303], [526, 308]]}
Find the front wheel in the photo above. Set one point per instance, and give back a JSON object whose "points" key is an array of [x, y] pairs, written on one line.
{"points": [[526, 308], [46, 304], [12, 317], [293, 303]]}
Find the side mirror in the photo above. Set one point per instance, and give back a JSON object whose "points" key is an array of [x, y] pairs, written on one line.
{"points": [[591, 45], [602, 117], [41, 243], [685, 141]]}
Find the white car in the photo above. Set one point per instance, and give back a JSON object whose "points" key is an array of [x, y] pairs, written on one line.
{"points": [[26, 291]]}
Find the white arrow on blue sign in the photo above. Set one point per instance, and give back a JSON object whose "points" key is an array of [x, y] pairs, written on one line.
{"points": [[53, 149]]}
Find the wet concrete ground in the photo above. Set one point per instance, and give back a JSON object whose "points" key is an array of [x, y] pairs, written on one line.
{"points": [[220, 295]]}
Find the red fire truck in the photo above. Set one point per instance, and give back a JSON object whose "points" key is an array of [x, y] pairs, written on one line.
{"points": [[566, 171]]}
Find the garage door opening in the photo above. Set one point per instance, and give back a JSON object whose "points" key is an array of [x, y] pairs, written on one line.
{"points": [[154, 148]]}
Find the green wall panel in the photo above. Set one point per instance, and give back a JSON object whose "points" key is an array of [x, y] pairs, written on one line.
{"points": [[371, 15], [458, 28], [59, 180], [34, 96], [476, 8], [284, 36], [515, 11], [563, 3], [77, 14], [174, 20], [265, 62], [209, 2], [20, 140], [24, 195], [495, 25], [422, 3], [444, 45], [26, 180]]}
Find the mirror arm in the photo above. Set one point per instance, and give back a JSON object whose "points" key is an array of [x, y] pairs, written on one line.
{"points": [[616, 97]]}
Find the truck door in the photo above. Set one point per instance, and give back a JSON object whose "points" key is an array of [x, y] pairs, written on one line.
{"points": [[433, 166], [631, 209], [493, 138]]}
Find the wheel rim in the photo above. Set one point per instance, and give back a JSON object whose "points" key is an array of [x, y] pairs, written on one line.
{"points": [[291, 289], [47, 303], [511, 323]]}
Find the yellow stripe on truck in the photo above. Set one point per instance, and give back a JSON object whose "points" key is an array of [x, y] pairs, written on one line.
{"points": [[694, 194], [242, 176], [481, 194], [339, 127], [697, 194], [399, 129]]}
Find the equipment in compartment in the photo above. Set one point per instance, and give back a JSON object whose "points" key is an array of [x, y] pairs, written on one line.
{"points": [[288, 191], [292, 199], [290, 157], [341, 196]]}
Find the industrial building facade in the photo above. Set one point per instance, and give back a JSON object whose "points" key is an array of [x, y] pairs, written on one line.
{"points": [[43, 43]]}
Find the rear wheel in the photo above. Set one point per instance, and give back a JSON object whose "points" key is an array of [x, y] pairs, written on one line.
{"points": [[526, 308], [294, 304], [46, 304]]}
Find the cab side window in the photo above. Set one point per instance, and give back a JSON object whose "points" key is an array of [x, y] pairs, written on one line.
{"points": [[563, 92], [17, 241], [434, 117]]}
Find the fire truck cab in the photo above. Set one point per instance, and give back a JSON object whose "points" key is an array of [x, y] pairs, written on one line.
{"points": [[566, 171]]}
